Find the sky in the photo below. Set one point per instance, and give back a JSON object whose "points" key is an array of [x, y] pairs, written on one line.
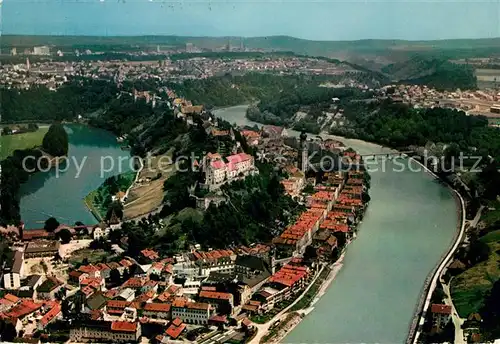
{"points": [[314, 19]]}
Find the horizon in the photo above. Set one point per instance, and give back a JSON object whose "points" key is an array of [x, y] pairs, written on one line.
{"points": [[254, 37], [327, 20]]}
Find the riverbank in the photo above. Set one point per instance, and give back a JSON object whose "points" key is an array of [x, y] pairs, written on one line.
{"points": [[98, 200], [300, 312], [393, 242], [26, 140], [435, 275]]}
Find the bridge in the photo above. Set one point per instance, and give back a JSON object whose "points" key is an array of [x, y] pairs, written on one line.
{"points": [[388, 155], [339, 164]]}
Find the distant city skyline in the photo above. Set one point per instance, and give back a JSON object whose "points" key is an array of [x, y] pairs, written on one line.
{"points": [[314, 20]]}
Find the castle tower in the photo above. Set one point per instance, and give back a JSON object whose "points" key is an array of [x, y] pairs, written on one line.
{"points": [[303, 153]]}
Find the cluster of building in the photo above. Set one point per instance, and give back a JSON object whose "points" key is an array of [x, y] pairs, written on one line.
{"points": [[201, 67], [333, 208], [53, 74], [474, 102]]}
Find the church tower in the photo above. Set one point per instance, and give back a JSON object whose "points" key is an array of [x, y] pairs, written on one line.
{"points": [[303, 153]]}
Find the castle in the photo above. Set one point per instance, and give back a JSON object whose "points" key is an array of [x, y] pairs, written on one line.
{"points": [[218, 172]]}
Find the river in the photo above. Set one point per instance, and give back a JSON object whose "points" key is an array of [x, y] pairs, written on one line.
{"points": [[61, 194], [409, 224]]}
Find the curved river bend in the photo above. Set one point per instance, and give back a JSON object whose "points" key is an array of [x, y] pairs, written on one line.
{"points": [[410, 223], [47, 194]]}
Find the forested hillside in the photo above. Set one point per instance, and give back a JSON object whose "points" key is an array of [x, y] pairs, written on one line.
{"points": [[398, 125], [434, 72]]}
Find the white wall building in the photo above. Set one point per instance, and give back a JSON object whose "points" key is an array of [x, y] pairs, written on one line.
{"points": [[13, 271]]}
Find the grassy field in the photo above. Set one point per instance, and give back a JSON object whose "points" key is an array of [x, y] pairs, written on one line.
{"points": [[9, 143], [491, 237], [470, 287], [491, 216], [146, 197], [93, 256]]}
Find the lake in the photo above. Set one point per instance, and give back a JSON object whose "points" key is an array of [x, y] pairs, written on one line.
{"points": [[61, 194]]}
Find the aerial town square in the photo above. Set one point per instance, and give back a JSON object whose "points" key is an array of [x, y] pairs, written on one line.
{"points": [[194, 173]]}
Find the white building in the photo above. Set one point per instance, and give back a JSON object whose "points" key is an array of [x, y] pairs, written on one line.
{"points": [[43, 50], [218, 172], [116, 331], [192, 312], [100, 233], [13, 271], [157, 310]]}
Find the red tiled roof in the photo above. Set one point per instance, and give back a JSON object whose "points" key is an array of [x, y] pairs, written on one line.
{"points": [[151, 254], [123, 326], [179, 302], [133, 282], [246, 322], [96, 314], [22, 309], [289, 274], [218, 318], [208, 288], [441, 309], [175, 331], [198, 305], [11, 298], [114, 265], [75, 274], [50, 315], [157, 307], [126, 263], [102, 266], [117, 304], [215, 295]]}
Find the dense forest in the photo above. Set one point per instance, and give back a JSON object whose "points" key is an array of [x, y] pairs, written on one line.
{"points": [[311, 99], [399, 125], [257, 209], [233, 90], [78, 97], [13, 175], [434, 72]]}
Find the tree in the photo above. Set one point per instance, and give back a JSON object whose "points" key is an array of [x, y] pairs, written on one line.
{"points": [[115, 208], [55, 142], [115, 277], [64, 235], [341, 238], [8, 331], [51, 224], [6, 131], [491, 312], [154, 277], [32, 127]]}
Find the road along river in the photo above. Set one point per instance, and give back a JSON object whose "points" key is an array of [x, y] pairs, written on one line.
{"points": [[410, 223]]}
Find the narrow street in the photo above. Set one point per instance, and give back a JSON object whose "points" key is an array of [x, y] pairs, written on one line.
{"points": [[457, 321]]}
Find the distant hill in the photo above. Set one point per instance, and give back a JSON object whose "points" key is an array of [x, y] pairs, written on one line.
{"points": [[287, 43], [434, 72], [397, 59]]}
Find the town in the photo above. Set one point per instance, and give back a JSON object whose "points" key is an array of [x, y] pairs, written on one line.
{"points": [[190, 281], [206, 296]]}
